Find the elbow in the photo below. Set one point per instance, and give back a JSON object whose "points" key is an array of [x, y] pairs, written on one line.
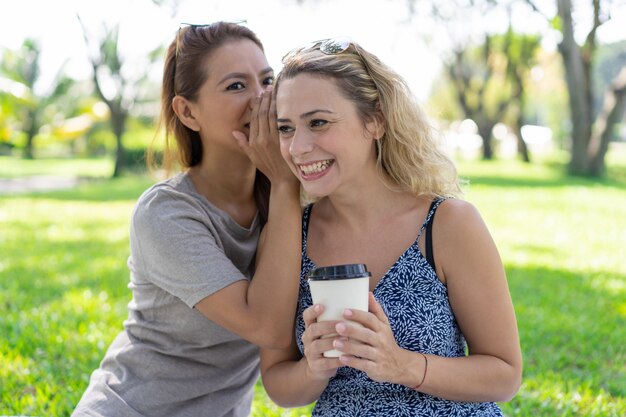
{"points": [[510, 384], [283, 399], [272, 338], [280, 401]]}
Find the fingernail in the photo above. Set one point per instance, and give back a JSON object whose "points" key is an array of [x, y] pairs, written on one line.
{"points": [[317, 308], [347, 312], [340, 327], [338, 344]]}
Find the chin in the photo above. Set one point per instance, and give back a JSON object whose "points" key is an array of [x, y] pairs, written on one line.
{"points": [[315, 193]]}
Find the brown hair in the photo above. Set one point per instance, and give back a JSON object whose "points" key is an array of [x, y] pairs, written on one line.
{"points": [[184, 73], [408, 155]]}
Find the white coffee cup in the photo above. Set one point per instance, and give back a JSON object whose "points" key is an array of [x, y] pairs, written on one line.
{"points": [[337, 288]]}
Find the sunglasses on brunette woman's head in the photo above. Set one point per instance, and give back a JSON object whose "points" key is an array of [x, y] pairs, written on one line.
{"points": [[193, 26]]}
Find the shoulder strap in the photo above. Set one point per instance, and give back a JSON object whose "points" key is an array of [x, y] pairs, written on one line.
{"points": [[306, 214], [430, 257], [428, 225]]}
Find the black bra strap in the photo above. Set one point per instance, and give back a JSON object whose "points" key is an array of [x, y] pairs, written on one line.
{"points": [[430, 256]]}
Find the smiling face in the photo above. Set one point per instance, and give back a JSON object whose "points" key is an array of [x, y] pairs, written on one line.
{"points": [[237, 72], [322, 138]]}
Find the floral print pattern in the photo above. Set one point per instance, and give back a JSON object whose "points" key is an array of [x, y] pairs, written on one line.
{"points": [[417, 306]]}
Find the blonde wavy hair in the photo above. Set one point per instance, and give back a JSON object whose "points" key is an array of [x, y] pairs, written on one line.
{"points": [[408, 154]]}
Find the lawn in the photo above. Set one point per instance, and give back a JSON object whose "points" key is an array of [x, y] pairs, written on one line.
{"points": [[63, 280]]}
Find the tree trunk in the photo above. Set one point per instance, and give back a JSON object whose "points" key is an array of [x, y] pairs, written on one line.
{"points": [[484, 130], [33, 129], [612, 112], [118, 120], [577, 87], [522, 148]]}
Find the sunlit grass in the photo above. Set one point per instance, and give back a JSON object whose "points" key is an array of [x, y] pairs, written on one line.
{"points": [[63, 287], [560, 239], [62, 167]]}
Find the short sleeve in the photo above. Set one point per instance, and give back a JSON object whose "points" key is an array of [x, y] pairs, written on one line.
{"points": [[175, 245]]}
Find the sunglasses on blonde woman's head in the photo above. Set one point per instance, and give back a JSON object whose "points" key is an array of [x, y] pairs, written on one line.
{"points": [[331, 46]]}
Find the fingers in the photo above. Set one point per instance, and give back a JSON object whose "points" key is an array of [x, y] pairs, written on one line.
{"points": [[263, 118], [354, 348], [254, 117], [318, 337], [273, 125], [241, 138], [320, 329], [363, 318], [361, 364], [357, 332], [317, 346], [311, 314], [376, 309]]}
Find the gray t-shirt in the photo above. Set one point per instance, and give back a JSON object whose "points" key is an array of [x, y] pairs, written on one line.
{"points": [[171, 360]]}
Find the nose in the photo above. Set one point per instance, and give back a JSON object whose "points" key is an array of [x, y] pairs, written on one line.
{"points": [[301, 143], [255, 91]]}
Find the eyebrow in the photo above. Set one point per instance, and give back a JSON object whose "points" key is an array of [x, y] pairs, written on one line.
{"points": [[243, 75], [307, 114]]}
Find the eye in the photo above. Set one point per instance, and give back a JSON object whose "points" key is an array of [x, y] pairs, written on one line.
{"points": [[285, 130], [269, 81], [317, 123], [236, 86]]}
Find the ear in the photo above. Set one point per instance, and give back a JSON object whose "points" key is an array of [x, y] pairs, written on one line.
{"points": [[184, 110], [376, 126]]}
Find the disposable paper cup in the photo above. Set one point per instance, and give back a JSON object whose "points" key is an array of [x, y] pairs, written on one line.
{"points": [[337, 288]]}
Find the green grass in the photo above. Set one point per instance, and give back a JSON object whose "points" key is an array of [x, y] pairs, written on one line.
{"points": [[63, 280], [88, 167]]}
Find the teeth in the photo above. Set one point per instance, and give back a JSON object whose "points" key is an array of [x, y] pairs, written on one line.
{"points": [[315, 167]]}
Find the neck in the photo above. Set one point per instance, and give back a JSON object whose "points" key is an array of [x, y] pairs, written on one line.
{"points": [[365, 205], [228, 183]]}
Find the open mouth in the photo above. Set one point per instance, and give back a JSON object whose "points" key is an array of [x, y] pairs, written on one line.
{"points": [[315, 167]]}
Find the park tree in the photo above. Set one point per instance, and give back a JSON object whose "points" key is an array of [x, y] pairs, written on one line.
{"points": [[520, 51], [33, 108], [117, 86], [110, 84], [592, 130], [478, 76], [488, 68]]}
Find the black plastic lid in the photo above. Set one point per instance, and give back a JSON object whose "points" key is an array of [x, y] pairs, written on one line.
{"points": [[339, 272]]}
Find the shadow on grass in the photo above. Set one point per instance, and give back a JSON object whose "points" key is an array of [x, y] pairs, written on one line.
{"points": [[500, 173], [542, 182], [96, 189]]}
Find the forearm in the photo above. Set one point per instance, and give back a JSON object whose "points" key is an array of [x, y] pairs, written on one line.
{"points": [[470, 378], [273, 292], [289, 384]]}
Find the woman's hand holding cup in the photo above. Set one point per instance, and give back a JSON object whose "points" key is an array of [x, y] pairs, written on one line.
{"points": [[315, 344]]}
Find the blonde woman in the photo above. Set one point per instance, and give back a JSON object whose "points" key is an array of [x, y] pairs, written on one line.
{"points": [[365, 153]]}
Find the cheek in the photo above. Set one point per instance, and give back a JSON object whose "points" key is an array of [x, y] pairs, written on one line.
{"points": [[284, 149]]}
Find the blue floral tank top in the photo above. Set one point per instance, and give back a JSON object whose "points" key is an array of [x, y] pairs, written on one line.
{"points": [[417, 306]]}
